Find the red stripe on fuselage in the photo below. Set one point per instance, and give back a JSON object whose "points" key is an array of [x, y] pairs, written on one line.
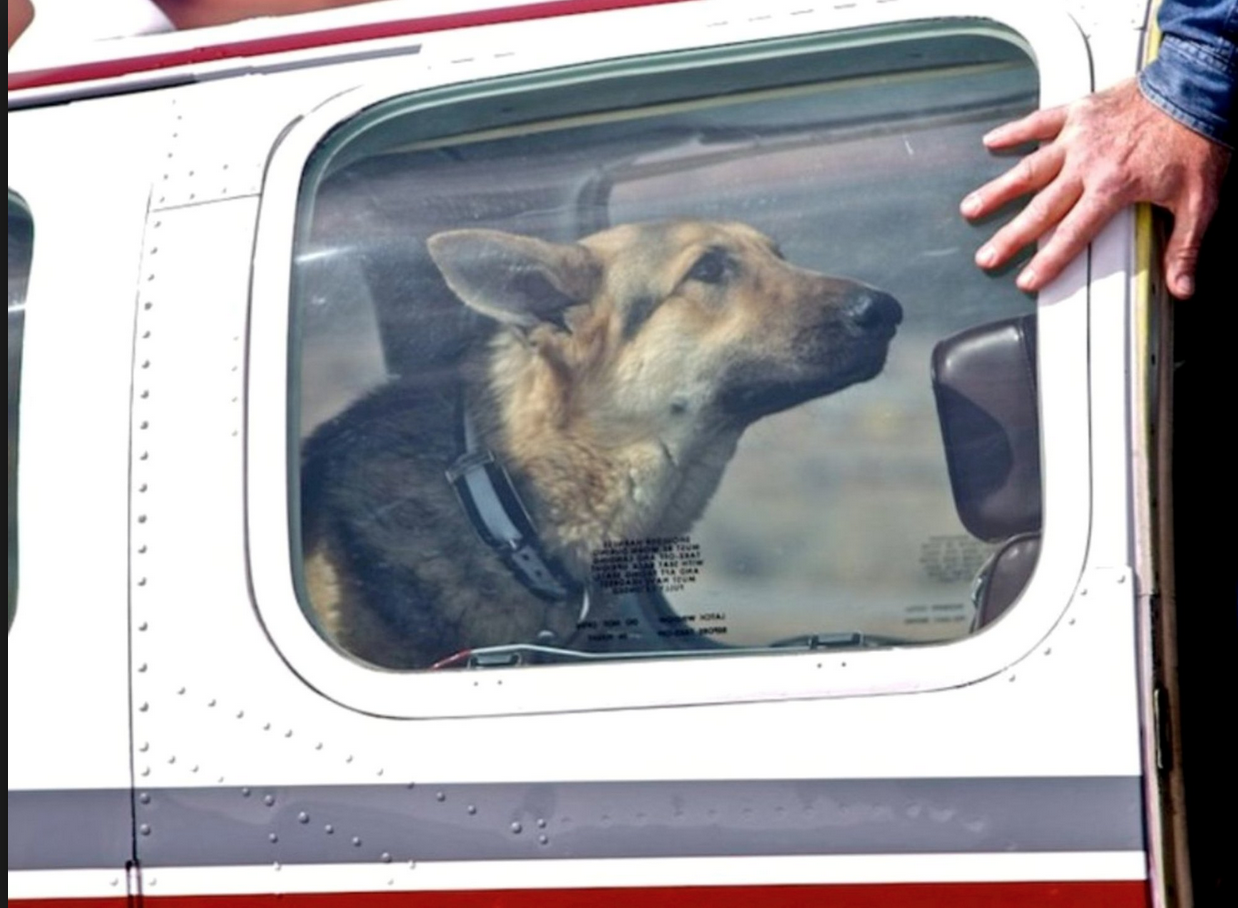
{"points": [[276, 44], [1120, 894]]}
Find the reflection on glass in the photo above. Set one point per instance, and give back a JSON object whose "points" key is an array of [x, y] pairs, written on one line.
{"points": [[21, 248], [654, 381]]}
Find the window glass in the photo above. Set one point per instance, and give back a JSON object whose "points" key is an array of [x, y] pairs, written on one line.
{"points": [[21, 248], [686, 360]]}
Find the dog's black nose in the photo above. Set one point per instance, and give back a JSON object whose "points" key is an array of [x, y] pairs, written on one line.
{"points": [[869, 309]]}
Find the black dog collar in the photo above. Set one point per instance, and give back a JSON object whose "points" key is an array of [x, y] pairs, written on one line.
{"points": [[499, 516]]}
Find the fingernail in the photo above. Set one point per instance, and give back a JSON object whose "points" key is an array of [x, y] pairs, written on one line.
{"points": [[971, 204], [986, 256], [1026, 279], [1185, 285]]}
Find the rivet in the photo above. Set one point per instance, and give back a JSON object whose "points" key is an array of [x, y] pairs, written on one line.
{"points": [[273, 838], [195, 768], [142, 550], [1121, 578], [144, 395], [145, 455], [1083, 592], [385, 857], [146, 364], [543, 840], [1010, 678], [517, 828], [472, 809], [144, 797], [152, 881], [141, 518], [240, 714], [142, 667], [276, 865], [148, 305], [288, 733], [143, 626], [440, 796], [329, 829], [380, 772], [541, 824], [211, 702], [144, 746], [356, 841], [303, 817], [1048, 650], [142, 487], [318, 746], [245, 792], [181, 691], [348, 759], [266, 726], [144, 829], [141, 581], [268, 800], [146, 335], [115, 881], [146, 770], [144, 707], [171, 760]]}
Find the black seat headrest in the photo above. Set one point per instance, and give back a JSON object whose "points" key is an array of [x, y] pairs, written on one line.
{"points": [[984, 380]]}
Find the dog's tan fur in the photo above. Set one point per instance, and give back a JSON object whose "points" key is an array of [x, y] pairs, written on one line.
{"points": [[615, 390]]}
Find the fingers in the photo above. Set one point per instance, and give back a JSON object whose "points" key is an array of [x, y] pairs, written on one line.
{"points": [[1078, 228], [1032, 173], [1182, 250], [1049, 206], [1035, 127]]}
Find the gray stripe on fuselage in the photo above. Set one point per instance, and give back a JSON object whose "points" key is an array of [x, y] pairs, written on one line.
{"points": [[59, 830], [513, 821]]}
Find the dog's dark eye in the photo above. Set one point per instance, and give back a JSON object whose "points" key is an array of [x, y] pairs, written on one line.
{"points": [[711, 268]]}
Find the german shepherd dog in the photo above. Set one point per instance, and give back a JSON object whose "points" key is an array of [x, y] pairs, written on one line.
{"points": [[612, 385]]}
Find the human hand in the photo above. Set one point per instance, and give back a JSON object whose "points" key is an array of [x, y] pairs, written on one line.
{"points": [[20, 15], [1101, 153]]}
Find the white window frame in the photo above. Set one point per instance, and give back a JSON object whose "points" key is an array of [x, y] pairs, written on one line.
{"points": [[1050, 35]]}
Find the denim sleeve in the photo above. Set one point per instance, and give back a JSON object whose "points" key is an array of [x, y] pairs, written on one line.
{"points": [[1193, 77]]}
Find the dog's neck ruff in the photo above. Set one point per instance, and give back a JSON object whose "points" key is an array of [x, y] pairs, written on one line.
{"points": [[498, 514]]}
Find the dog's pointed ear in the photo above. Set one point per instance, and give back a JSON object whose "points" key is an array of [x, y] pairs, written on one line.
{"points": [[519, 280]]}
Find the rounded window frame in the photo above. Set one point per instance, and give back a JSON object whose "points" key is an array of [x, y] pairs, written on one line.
{"points": [[1062, 313]]}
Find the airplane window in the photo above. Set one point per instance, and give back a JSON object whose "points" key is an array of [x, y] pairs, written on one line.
{"points": [[21, 248], [618, 366]]}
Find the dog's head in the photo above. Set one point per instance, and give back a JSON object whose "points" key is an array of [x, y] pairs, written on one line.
{"points": [[687, 322]]}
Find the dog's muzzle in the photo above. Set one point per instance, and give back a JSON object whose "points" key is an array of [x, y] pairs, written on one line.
{"points": [[872, 311]]}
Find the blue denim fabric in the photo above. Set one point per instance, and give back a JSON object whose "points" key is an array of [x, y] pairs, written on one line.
{"points": [[1194, 76]]}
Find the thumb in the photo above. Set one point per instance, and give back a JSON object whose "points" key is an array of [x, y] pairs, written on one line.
{"points": [[1182, 253]]}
